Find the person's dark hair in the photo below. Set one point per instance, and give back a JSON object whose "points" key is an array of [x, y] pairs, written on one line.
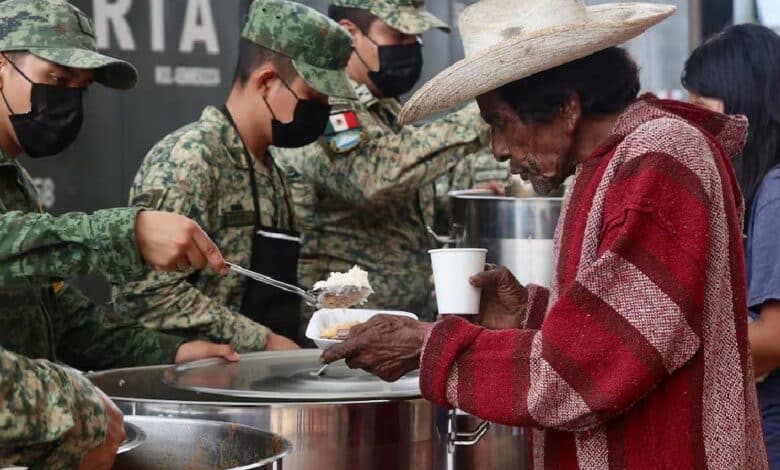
{"points": [[252, 56], [741, 67], [363, 19], [17, 57], [606, 82]]}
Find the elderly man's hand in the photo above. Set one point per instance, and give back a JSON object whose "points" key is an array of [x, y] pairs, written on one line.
{"points": [[503, 299], [388, 346]]}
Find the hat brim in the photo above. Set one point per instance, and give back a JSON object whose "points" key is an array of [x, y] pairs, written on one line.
{"points": [[109, 71], [326, 81], [521, 56], [409, 19]]}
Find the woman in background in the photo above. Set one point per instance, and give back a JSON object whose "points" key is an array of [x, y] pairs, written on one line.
{"points": [[738, 72]]}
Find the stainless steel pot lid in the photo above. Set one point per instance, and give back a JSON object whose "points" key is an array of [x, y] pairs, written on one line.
{"points": [[287, 376]]}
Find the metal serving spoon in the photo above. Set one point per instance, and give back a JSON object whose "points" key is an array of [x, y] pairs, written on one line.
{"points": [[338, 297]]}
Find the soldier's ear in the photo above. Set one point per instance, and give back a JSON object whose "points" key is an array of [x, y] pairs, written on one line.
{"points": [[351, 28], [3, 66], [262, 78]]}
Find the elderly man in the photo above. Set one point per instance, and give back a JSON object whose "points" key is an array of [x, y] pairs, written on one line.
{"points": [[637, 355]]}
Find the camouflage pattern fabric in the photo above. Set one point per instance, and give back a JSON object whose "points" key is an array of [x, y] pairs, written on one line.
{"points": [[200, 171], [41, 317], [318, 46], [50, 417], [58, 31], [370, 206], [406, 16], [472, 172]]}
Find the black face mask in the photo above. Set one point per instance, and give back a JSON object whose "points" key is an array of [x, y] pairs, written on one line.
{"points": [[400, 67], [310, 118], [54, 120]]}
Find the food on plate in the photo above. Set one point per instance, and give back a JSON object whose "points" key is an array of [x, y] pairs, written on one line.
{"points": [[339, 330]]}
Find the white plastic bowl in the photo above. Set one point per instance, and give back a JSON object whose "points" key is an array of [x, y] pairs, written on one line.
{"points": [[327, 317]]}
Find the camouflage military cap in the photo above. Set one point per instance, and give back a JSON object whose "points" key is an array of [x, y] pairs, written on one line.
{"points": [[319, 48], [406, 16], [57, 31]]}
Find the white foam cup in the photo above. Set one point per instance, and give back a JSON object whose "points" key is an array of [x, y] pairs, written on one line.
{"points": [[452, 268]]}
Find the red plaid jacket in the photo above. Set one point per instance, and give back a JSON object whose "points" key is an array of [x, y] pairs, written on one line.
{"points": [[637, 357]]}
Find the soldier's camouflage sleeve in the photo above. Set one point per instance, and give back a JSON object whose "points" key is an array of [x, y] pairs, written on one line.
{"points": [[167, 301], [50, 417], [40, 248], [471, 172], [91, 337], [389, 166]]}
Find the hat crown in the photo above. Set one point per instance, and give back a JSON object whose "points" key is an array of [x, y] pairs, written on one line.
{"points": [[29, 24], [490, 22], [298, 32]]}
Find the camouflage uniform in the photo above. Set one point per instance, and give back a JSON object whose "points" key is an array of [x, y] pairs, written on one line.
{"points": [[201, 171], [365, 193], [50, 416], [475, 170], [370, 205]]}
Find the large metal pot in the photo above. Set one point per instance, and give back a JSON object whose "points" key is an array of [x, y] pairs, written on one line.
{"points": [[517, 232], [174, 444], [372, 433]]}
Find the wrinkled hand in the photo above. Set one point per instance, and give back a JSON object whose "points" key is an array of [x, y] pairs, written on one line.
{"points": [[279, 343], [195, 350], [102, 458], [172, 242], [503, 299], [388, 346]]}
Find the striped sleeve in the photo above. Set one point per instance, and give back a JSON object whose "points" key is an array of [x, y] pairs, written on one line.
{"points": [[630, 319]]}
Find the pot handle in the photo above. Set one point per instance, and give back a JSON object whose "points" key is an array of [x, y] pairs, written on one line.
{"points": [[441, 239], [467, 439]]}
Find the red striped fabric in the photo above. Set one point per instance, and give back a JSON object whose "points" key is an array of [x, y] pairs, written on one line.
{"points": [[638, 357]]}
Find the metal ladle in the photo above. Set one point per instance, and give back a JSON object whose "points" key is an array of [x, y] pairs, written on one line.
{"points": [[317, 298]]}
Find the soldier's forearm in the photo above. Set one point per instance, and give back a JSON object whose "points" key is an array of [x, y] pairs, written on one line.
{"points": [[91, 337], [41, 248], [42, 402], [167, 302]]}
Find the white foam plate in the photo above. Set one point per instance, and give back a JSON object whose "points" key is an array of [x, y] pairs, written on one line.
{"points": [[327, 317]]}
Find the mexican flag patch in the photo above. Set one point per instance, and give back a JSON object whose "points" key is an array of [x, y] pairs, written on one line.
{"points": [[342, 122]]}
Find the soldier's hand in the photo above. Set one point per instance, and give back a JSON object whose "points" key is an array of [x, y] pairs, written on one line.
{"points": [[172, 242], [195, 350], [278, 342], [102, 458], [498, 188], [503, 299]]}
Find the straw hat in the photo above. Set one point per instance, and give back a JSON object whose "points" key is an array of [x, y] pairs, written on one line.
{"points": [[506, 40]]}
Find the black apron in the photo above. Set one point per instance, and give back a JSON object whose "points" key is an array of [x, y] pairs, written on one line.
{"points": [[275, 254]]}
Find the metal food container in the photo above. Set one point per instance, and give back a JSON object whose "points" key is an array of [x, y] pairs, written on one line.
{"points": [[134, 437], [174, 444], [346, 419], [517, 232]]}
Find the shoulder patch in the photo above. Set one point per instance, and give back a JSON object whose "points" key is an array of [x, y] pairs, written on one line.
{"points": [[344, 132]]}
